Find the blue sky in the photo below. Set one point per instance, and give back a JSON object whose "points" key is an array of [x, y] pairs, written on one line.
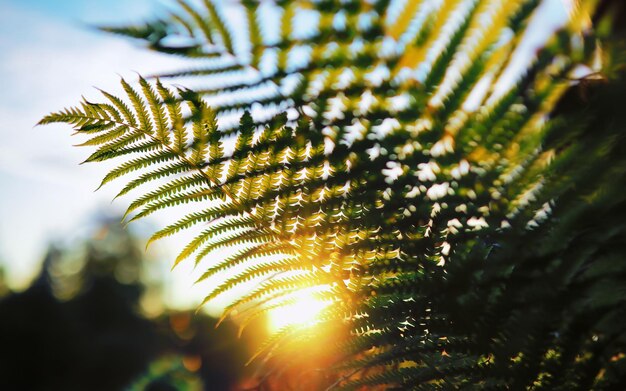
{"points": [[50, 58], [89, 11]]}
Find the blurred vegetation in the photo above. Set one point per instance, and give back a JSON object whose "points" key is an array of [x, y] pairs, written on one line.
{"points": [[4, 289], [80, 326]]}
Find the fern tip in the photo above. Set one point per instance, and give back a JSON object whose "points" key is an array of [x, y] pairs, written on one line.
{"points": [[125, 223], [221, 319], [46, 120], [197, 311], [149, 242], [141, 78]]}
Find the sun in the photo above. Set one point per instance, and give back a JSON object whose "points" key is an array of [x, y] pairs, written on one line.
{"points": [[302, 312]]}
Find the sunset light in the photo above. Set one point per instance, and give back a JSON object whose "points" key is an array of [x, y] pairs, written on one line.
{"points": [[302, 312]]}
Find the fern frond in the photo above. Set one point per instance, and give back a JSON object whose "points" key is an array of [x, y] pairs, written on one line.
{"points": [[261, 250], [378, 156], [171, 188], [233, 224]]}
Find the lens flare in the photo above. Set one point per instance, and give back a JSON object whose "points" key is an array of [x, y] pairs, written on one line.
{"points": [[302, 311]]}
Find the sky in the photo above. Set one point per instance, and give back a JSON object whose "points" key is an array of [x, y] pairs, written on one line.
{"points": [[50, 57]]}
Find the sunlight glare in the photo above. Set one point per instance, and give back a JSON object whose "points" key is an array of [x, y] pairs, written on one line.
{"points": [[302, 312]]}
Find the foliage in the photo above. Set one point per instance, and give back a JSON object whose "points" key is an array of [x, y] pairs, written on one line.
{"points": [[167, 373], [79, 326], [467, 232]]}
